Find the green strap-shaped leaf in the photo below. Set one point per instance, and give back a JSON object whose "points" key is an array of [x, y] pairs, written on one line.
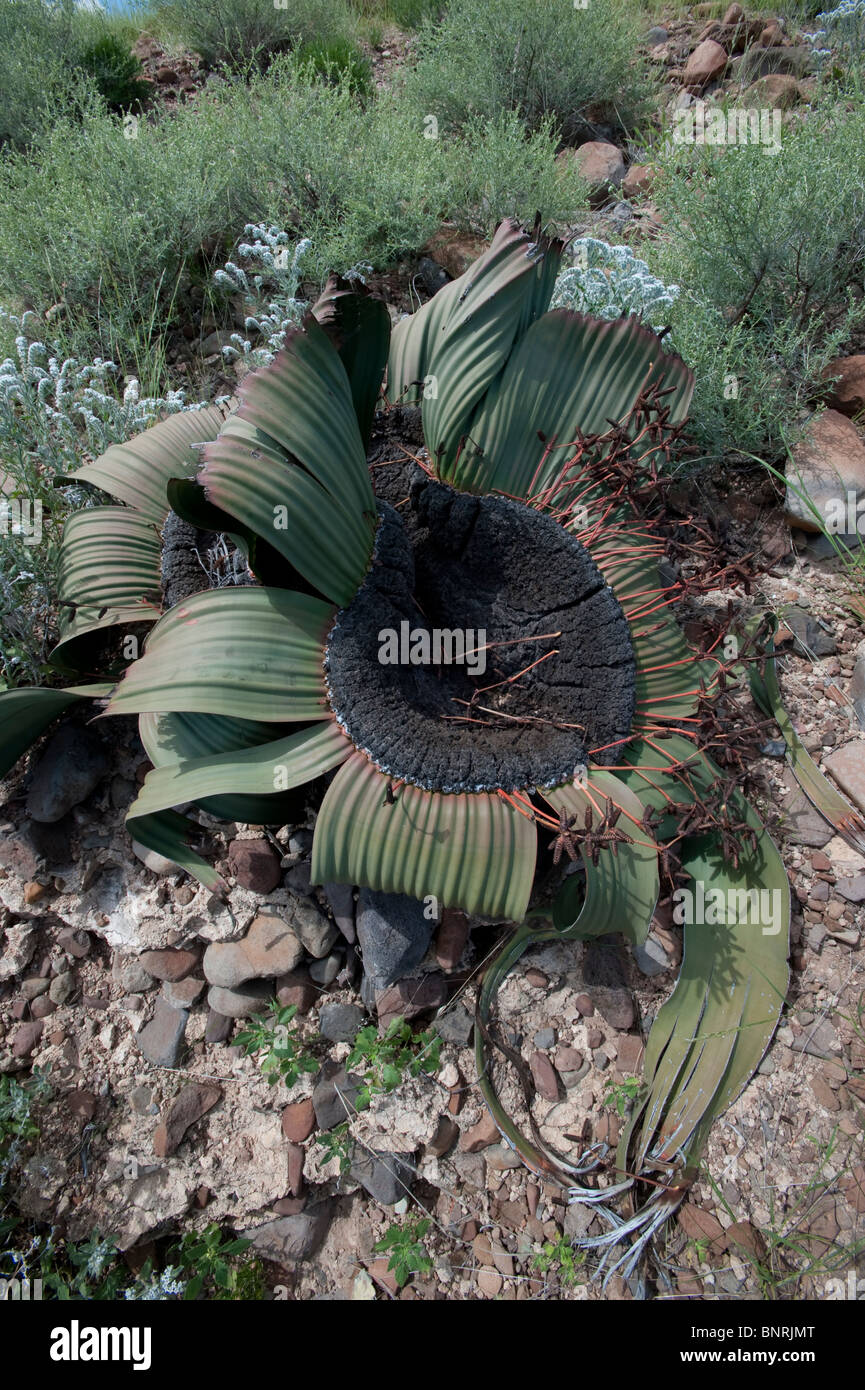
{"points": [[289, 509], [137, 472], [669, 674], [359, 328], [709, 1037], [303, 402], [464, 336], [255, 651], [180, 737], [26, 713], [823, 797], [109, 574], [167, 833], [621, 890], [665, 769], [569, 375], [471, 850], [253, 771]]}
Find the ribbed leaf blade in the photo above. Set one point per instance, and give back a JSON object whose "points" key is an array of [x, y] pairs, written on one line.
{"points": [[258, 651], [464, 335], [709, 1037], [303, 402], [569, 375], [471, 851], [359, 328], [261, 770], [289, 509], [109, 573], [621, 890], [26, 713], [137, 472], [167, 833]]}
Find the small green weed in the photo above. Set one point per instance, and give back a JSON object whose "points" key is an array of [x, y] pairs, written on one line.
{"points": [[408, 1254], [623, 1094], [210, 1259], [389, 1058], [269, 1033], [337, 1143], [559, 1258]]}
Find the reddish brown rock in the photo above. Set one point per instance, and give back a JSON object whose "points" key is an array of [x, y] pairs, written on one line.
{"points": [[255, 864], [630, 1054], [848, 393], [410, 998], [451, 938], [699, 1224], [743, 1239], [26, 1038], [772, 35], [481, 1135], [169, 965], [193, 1101], [601, 164], [584, 1004], [568, 1059], [296, 1157], [453, 251], [74, 943], [827, 464], [298, 1120], [544, 1076], [776, 91], [446, 1135], [270, 948], [82, 1104], [707, 62], [734, 14], [847, 767], [536, 977], [638, 180], [33, 891], [298, 989]]}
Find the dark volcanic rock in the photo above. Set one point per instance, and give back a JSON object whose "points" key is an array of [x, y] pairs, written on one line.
{"points": [[394, 935], [71, 767]]}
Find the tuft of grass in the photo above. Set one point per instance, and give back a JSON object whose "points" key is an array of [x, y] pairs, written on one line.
{"points": [[538, 58], [241, 34], [48, 50], [769, 251]]}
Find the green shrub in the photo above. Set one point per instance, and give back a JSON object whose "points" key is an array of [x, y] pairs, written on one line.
{"points": [[238, 34], [45, 52], [338, 61], [769, 251], [115, 71], [406, 14], [539, 58], [112, 229]]}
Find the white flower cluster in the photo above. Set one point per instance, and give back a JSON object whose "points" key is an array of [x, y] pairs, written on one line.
{"points": [[269, 283], [156, 1288], [610, 282], [847, 12], [54, 406], [844, 25]]}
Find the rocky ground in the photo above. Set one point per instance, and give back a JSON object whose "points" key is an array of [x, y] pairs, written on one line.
{"points": [[128, 982]]}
